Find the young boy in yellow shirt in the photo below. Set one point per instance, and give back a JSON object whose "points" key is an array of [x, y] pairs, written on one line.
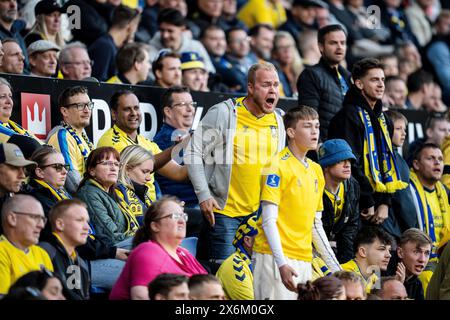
{"points": [[290, 222]]}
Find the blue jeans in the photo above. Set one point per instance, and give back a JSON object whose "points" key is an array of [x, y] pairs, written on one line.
{"points": [[220, 237], [105, 272], [125, 244]]}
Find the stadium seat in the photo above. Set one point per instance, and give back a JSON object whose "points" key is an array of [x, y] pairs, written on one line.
{"points": [[190, 244]]}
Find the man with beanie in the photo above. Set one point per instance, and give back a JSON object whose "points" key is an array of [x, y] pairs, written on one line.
{"points": [[236, 272], [340, 216], [195, 75]]}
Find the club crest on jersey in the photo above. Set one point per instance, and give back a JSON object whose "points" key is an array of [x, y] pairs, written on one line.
{"points": [[316, 184], [286, 156], [273, 180]]}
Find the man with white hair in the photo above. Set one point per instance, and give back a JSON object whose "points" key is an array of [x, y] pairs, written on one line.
{"points": [[74, 61]]}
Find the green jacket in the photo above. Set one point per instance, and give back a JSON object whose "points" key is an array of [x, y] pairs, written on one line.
{"points": [[104, 212], [439, 286]]}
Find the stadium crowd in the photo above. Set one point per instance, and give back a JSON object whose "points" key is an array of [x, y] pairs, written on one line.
{"points": [[320, 202]]}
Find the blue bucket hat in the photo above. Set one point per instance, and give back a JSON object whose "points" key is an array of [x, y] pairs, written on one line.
{"points": [[334, 151]]}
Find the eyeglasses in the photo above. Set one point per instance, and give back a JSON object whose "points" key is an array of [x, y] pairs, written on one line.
{"points": [[35, 217], [174, 216], [78, 63], [81, 106], [110, 164], [185, 104], [57, 166]]}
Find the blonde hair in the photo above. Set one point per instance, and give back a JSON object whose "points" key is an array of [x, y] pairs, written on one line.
{"points": [[40, 27], [131, 157], [259, 66], [297, 64]]}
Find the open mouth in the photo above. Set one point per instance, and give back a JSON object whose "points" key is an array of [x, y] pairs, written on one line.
{"points": [[270, 101], [419, 268]]}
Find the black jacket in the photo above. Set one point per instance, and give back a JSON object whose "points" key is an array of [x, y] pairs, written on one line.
{"points": [[347, 125], [98, 248], [414, 288], [95, 20], [295, 28], [402, 213], [319, 87], [345, 229], [74, 274], [3, 198]]}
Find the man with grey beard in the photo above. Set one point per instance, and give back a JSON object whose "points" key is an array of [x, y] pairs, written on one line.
{"points": [[10, 26]]}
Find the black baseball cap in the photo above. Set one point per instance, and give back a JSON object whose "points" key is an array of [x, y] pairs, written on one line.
{"points": [[47, 7]]}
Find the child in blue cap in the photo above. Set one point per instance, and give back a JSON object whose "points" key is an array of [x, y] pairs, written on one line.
{"points": [[340, 216]]}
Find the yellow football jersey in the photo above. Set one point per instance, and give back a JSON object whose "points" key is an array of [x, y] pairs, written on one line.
{"points": [[236, 278], [297, 189], [353, 267], [255, 142], [14, 263]]}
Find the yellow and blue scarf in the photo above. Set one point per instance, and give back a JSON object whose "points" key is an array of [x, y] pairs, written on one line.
{"points": [[134, 205], [246, 228], [386, 179], [85, 152], [11, 128], [426, 216], [319, 268], [61, 194]]}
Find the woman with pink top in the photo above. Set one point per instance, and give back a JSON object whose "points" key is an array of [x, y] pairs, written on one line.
{"points": [[156, 250]]}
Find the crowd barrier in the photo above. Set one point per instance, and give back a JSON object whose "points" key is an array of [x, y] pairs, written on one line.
{"points": [[36, 107]]}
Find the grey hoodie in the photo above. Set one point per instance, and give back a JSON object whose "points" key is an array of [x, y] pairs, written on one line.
{"points": [[209, 153]]}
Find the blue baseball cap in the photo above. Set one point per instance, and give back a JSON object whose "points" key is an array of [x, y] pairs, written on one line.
{"points": [[334, 151]]}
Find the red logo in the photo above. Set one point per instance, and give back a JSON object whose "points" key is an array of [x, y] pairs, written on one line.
{"points": [[36, 113]]}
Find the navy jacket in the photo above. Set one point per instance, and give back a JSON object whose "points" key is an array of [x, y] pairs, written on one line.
{"points": [[402, 213], [103, 52], [183, 190], [17, 27]]}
